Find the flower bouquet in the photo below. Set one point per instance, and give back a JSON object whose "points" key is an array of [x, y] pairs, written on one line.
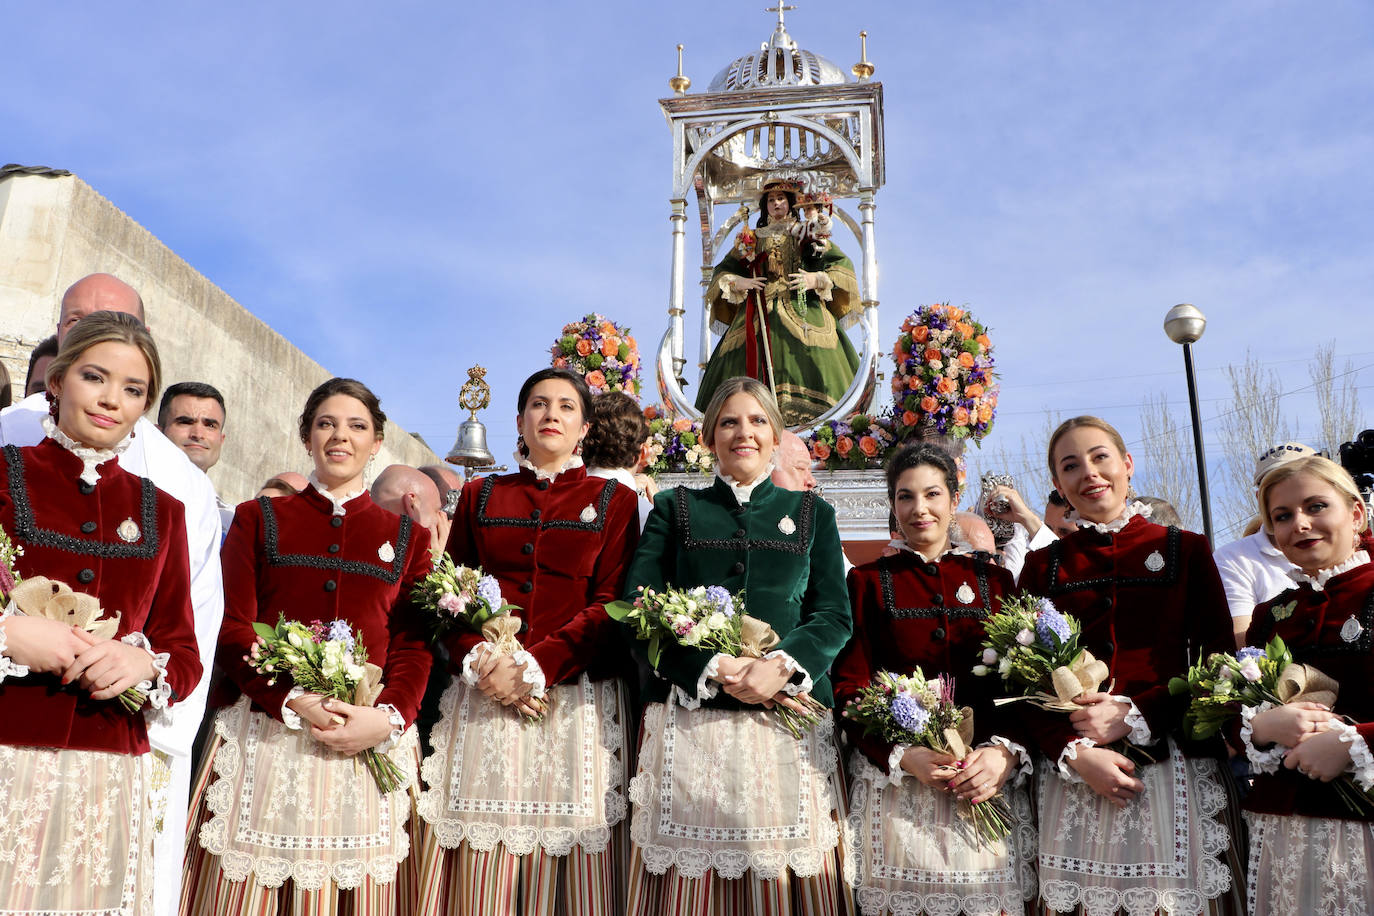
{"points": [[328, 660], [600, 351], [9, 575], [676, 445], [707, 617], [464, 597], [909, 709], [1034, 648], [943, 376], [855, 443], [1223, 684]]}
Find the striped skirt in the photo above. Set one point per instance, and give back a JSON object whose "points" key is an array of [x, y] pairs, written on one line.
{"points": [[521, 817], [1310, 865], [1173, 848], [911, 850], [282, 824], [76, 832], [732, 814]]}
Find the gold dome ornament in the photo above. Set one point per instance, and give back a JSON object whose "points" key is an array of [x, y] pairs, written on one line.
{"points": [[864, 68], [679, 84]]}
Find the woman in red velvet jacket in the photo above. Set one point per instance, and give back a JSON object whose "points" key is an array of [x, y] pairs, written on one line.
{"points": [[924, 607], [523, 814], [292, 818], [77, 817], [1114, 834], [1310, 852]]}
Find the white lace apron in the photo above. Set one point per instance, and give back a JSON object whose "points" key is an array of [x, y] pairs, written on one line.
{"points": [[284, 806], [732, 790], [909, 851], [76, 833], [1311, 865], [497, 778], [1166, 850]]}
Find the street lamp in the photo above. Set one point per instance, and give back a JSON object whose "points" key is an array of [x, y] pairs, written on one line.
{"points": [[1184, 324]]}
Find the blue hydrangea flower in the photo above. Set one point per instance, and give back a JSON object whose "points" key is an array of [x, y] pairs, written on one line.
{"points": [[1249, 652], [720, 597], [909, 713], [489, 590], [1052, 623], [340, 630]]}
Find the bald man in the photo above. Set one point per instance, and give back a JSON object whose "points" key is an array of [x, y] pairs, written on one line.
{"points": [[151, 454], [407, 491], [792, 463], [449, 483]]}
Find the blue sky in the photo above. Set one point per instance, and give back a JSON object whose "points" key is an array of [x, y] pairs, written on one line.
{"points": [[406, 189]]}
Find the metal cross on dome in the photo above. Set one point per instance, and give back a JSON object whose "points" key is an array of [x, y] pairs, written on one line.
{"points": [[779, 9]]}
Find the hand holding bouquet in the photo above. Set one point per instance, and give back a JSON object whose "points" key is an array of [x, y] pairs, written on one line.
{"points": [[327, 660], [911, 710], [708, 617]]}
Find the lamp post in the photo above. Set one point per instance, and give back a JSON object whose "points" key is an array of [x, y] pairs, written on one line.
{"points": [[1184, 324]]}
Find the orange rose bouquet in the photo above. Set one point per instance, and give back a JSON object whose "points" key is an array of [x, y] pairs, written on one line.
{"points": [[944, 378], [600, 351]]}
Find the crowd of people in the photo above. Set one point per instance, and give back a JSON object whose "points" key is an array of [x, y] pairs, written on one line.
{"points": [[151, 763]]}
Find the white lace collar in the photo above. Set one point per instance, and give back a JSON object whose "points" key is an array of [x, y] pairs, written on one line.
{"points": [[1318, 582], [623, 475], [338, 502], [958, 550], [540, 474], [90, 457], [744, 491], [1131, 511]]}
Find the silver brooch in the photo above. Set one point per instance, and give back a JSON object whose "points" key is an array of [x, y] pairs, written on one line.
{"points": [[1155, 561], [128, 531], [964, 594], [1351, 629], [386, 552], [786, 525], [588, 513]]}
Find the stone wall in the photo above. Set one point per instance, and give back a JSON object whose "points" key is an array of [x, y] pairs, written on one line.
{"points": [[55, 230]]}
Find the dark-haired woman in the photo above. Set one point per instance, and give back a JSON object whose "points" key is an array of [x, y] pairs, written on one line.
{"points": [[526, 785], [291, 821], [923, 607], [616, 446], [1117, 835], [77, 817]]}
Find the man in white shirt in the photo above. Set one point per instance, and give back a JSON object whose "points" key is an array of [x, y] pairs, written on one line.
{"points": [[192, 415], [1029, 531], [151, 455]]}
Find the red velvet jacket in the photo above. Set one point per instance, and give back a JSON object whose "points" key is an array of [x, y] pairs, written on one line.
{"points": [[293, 556], [70, 532], [560, 550], [1312, 631], [909, 613], [1150, 601]]}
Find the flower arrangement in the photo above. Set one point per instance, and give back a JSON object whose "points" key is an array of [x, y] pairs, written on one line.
{"points": [[944, 374], [329, 660], [909, 709], [459, 596], [9, 573], [707, 617], [676, 445], [600, 351], [863, 440]]}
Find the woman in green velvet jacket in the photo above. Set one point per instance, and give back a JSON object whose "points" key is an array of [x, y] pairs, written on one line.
{"points": [[732, 814]]}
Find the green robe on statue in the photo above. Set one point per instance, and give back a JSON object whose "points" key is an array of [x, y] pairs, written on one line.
{"points": [[812, 357]]}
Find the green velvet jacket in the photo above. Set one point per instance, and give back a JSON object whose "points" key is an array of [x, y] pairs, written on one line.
{"points": [[782, 547]]}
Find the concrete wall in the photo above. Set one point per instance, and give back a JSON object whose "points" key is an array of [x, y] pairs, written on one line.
{"points": [[55, 230]]}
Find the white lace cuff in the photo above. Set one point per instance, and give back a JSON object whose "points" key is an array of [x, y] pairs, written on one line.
{"points": [[705, 689], [532, 673], [1140, 735], [156, 689], [790, 663], [1261, 761], [727, 289], [1361, 760], [398, 727], [471, 660], [8, 666], [1070, 752], [824, 285], [289, 717], [895, 773], [1023, 759]]}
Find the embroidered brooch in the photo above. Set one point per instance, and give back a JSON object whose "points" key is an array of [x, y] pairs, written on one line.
{"points": [[1351, 629], [386, 552], [1155, 561], [786, 525], [964, 594], [1284, 611], [128, 531], [588, 513]]}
